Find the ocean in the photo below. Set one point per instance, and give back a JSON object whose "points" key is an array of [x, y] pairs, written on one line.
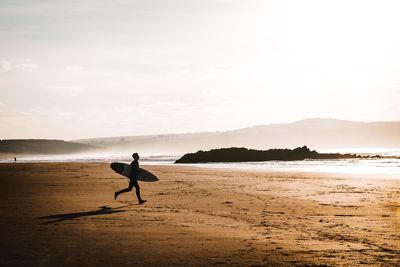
{"points": [[383, 167], [389, 166]]}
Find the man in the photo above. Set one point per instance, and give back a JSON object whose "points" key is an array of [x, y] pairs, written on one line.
{"points": [[133, 182]]}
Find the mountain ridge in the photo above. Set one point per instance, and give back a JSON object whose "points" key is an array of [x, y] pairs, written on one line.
{"points": [[42, 146], [318, 133]]}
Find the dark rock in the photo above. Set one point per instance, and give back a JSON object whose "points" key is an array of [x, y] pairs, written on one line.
{"points": [[236, 154]]}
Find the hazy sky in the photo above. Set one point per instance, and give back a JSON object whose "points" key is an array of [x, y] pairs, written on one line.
{"points": [[77, 69]]}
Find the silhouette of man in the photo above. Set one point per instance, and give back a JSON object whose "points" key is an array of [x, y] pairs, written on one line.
{"points": [[133, 182]]}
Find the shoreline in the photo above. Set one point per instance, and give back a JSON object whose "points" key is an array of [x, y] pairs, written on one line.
{"points": [[239, 167]]}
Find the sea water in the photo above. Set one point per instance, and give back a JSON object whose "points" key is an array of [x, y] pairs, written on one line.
{"points": [[387, 166]]}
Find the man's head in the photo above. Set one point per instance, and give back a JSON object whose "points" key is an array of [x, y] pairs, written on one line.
{"points": [[135, 156]]}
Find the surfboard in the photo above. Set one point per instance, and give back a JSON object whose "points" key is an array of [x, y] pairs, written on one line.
{"points": [[125, 170]]}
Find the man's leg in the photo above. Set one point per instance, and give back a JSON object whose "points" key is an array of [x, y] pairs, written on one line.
{"points": [[136, 184], [124, 190]]}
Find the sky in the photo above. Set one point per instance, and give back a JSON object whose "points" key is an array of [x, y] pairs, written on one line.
{"points": [[80, 69]]}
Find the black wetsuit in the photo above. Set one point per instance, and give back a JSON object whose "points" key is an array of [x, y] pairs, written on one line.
{"points": [[133, 182]]}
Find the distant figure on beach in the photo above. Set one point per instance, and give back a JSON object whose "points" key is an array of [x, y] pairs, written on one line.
{"points": [[133, 182], [15, 160]]}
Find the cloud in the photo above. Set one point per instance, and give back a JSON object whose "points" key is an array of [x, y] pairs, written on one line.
{"points": [[27, 66], [68, 88], [220, 68], [5, 66], [74, 68]]}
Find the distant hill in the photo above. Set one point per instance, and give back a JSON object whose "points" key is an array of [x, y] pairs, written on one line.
{"points": [[236, 154], [42, 146], [316, 133]]}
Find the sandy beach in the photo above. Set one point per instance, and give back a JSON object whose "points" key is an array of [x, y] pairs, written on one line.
{"points": [[64, 214]]}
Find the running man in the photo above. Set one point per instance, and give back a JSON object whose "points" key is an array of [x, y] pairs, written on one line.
{"points": [[133, 182]]}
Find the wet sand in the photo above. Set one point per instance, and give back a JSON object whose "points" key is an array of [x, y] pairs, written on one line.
{"points": [[64, 214]]}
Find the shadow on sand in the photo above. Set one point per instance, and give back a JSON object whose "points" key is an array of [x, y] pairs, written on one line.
{"points": [[69, 216]]}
